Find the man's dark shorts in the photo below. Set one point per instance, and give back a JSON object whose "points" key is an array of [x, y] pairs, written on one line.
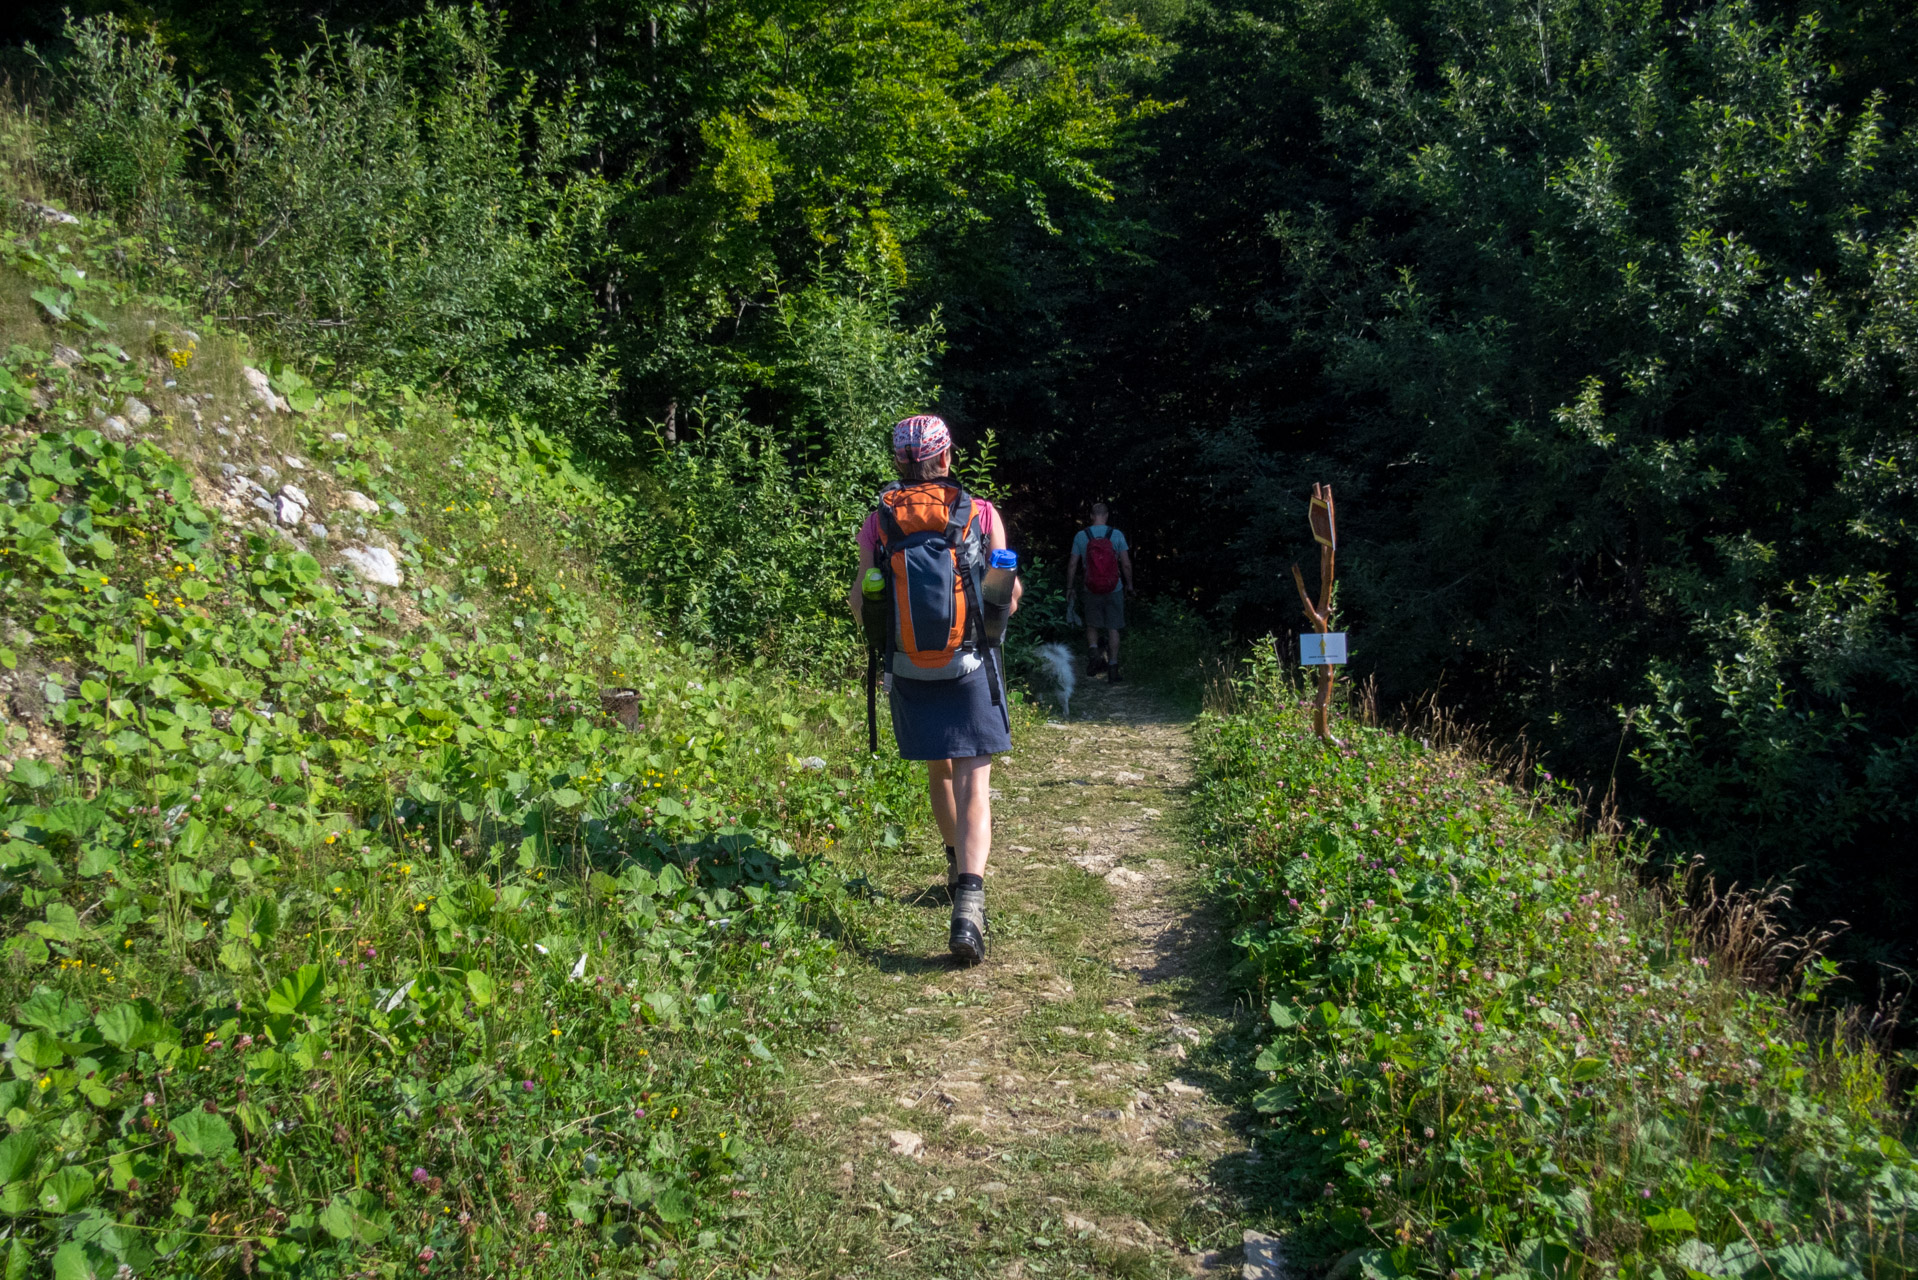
{"points": [[1106, 612]]}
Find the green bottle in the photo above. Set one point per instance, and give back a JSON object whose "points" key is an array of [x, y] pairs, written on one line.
{"points": [[873, 608]]}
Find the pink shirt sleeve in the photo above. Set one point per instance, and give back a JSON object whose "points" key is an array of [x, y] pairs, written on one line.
{"points": [[869, 531]]}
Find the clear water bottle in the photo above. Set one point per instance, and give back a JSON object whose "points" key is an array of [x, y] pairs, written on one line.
{"points": [[997, 593]]}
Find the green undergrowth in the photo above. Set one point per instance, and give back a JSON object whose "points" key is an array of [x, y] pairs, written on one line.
{"points": [[1490, 1052], [348, 929]]}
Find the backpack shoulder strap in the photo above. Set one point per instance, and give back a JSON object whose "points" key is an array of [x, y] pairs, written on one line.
{"points": [[959, 520], [889, 530]]}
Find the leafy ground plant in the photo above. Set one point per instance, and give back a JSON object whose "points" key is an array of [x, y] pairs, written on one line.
{"points": [[1490, 1052], [348, 929]]}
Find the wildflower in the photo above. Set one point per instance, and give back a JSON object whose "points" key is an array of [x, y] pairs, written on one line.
{"points": [[527, 1085], [420, 1175], [150, 1100], [426, 1254], [1645, 1194], [244, 1042], [1429, 1133]]}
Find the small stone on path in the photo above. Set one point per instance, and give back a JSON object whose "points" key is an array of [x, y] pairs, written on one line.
{"points": [[906, 1143], [1263, 1258]]}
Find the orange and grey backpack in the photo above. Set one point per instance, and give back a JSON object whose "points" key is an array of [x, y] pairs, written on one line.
{"points": [[932, 549]]}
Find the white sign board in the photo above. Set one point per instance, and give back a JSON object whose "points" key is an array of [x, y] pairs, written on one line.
{"points": [[1326, 650]]}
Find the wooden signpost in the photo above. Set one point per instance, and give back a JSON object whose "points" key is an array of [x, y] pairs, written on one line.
{"points": [[1325, 533]]}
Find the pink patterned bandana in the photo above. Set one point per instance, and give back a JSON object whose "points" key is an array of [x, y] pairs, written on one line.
{"points": [[920, 437]]}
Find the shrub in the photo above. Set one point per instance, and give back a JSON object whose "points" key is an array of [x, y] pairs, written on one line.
{"points": [[1491, 1052]]}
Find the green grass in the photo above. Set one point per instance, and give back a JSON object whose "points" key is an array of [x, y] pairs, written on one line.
{"points": [[1490, 1051], [341, 928]]}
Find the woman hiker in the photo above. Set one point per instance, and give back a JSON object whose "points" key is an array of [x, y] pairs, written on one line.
{"points": [[946, 691]]}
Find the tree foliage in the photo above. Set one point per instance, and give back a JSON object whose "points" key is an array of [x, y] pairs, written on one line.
{"points": [[1598, 314]]}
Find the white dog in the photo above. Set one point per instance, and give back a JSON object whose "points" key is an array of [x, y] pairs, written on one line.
{"points": [[1057, 660]]}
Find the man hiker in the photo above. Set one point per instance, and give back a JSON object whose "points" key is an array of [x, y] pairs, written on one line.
{"points": [[1108, 564], [929, 542]]}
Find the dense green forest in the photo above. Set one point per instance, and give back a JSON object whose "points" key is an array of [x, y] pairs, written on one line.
{"points": [[1597, 315], [436, 824]]}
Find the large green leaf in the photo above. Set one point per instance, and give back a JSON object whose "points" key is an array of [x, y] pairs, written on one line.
{"points": [[51, 1010], [353, 1216], [299, 994], [201, 1133], [61, 925], [64, 1190], [40, 1050], [54, 302], [674, 1204], [18, 1151], [82, 1260], [480, 987], [1811, 1262], [133, 1026]]}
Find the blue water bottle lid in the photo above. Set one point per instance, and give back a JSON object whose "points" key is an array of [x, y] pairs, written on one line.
{"points": [[1006, 559]]}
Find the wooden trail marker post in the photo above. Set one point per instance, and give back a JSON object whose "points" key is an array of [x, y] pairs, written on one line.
{"points": [[1325, 533]]}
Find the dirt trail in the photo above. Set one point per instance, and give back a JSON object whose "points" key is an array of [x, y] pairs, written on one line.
{"points": [[1053, 1111]]}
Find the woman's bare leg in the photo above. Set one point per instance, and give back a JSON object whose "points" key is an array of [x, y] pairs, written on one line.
{"points": [[970, 783], [944, 812]]}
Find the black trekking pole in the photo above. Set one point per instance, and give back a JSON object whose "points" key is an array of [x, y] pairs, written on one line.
{"points": [[873, 614], [872, 700]]}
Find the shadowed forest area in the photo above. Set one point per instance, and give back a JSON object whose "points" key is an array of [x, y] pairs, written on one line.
{"points": [[465, 413]]}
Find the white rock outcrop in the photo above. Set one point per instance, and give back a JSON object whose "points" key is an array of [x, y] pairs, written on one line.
{"points": [[136, 412], [47, 213], [375, 564], [354, 500], [260, 388]]}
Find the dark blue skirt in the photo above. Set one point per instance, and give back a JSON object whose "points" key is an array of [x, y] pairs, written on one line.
{"points": [[950, 719]]}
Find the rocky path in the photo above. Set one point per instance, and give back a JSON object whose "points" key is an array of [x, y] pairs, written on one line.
{"points": [[1055, 1111]]}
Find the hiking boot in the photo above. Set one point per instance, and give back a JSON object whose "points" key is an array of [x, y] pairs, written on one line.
{"points": [[1095, 662], [968, 939], [1113, 676]]}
